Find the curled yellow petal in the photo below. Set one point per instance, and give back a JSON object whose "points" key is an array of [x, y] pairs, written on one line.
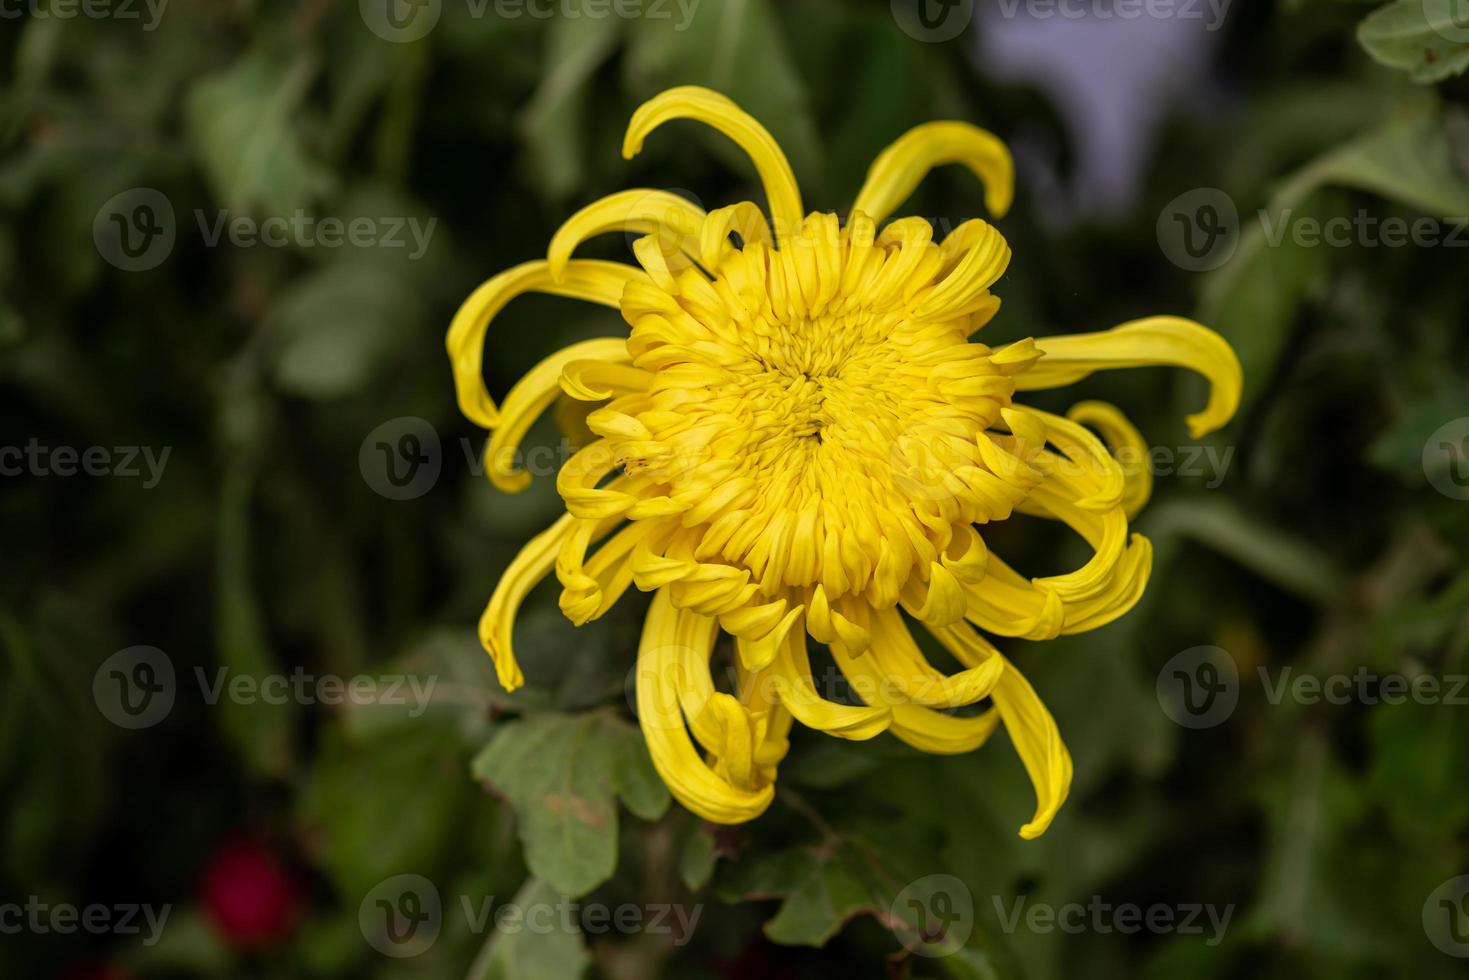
{"points": [[531, 396], [593, 281], [642, 211], [1127, 446], [791, 672], [719, 112], [692, 782], [899, 169], [1038, 743], [498, 620], [1157, 340]]}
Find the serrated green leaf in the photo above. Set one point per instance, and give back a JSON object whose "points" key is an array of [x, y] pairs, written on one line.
{"points": [[563, 773], [823, 887]]}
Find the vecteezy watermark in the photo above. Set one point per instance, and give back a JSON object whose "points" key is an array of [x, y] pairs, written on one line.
{"points": [[35, 459], [1363, 229], [1446, 458], [305, 230], [137, 230], [1199, 687], [1446, 917], [1449, 19], [124, 919], [152, 10], [1211, 12], [1100, 916], [405, 21], [401, 458], [134, 688], [933, 21], [1199, 229], [137, 688], [402, 917], [932, 916], [1364, 687]]}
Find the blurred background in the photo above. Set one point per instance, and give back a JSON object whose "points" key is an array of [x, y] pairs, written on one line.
{"points": [[243, 714]]}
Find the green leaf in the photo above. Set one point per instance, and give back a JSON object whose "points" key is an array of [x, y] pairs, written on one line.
{"points": [[554, 123], [385, 807], [337, 327], [1407, 160], [1253, 299], [562, 774], [697, 858], [533, 954], [1424, 38], [822, 887], [243, 124]]}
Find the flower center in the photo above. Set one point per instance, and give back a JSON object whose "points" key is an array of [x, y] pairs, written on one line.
{"points": [[812, 416]]}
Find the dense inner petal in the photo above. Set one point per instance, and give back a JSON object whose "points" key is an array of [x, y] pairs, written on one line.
{"points": [[814, 415]]}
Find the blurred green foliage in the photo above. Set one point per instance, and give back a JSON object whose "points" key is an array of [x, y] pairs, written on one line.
{"points": [[266, 547]]}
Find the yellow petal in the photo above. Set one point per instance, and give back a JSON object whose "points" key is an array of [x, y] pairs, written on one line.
{"points": [[498, 620], [902, 666], [719, 112], [791, 672], [1031, 727], [692, 782], [1038, 743], [1127, 446], [900, 168], [531, 396], [1158, 340], [642, 211], [593, 281]]}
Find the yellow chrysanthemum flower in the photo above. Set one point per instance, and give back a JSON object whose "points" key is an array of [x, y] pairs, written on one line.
{"points": [[798, 437]]}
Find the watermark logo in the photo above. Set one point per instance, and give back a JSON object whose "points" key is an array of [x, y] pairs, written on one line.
{"points": [[1211, 11], [1102, 917], [933, 21], [1199, 688], [90, 9], [402, 916], [1446, 459], [1199, 229], [135, 230], [1446, 917], [400, 21], [35, 459], [43, 918], [933, 916], [401, 459], [1449, 19], [405, 21], [135, 688]]}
